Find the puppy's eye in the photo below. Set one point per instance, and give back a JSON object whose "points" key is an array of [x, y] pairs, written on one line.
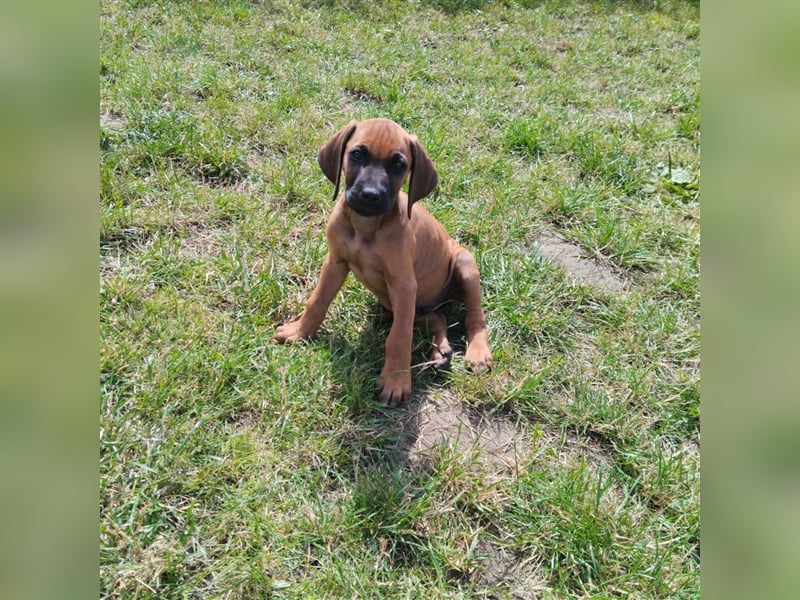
{"points": [[357, 154], [399, 164]]}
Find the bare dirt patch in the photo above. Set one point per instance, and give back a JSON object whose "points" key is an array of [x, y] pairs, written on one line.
{"points": [[498, 447], [495, 442], [561, 46], [520, 578], [582, 269], [198, 240], [112, 121]]}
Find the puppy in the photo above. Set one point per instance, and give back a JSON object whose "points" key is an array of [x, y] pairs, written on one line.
{"points": [[399, 251]]}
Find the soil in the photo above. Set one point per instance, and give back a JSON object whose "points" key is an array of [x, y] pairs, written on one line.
{"points": [[584, 270]]}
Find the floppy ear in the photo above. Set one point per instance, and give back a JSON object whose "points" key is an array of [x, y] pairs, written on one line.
{"points": [[331, 154], [423, 174]]}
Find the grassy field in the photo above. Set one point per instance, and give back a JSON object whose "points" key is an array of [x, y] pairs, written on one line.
{"points": [[566, 136]]}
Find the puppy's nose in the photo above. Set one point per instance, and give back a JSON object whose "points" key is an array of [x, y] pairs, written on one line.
{"points": [[371, 194]]}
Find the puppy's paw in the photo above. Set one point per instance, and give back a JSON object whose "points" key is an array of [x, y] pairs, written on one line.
{"points": [[441, 355], [393, 390], [291, 332], [479, 357]]}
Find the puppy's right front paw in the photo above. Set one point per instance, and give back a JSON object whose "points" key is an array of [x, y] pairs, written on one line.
{"points": [[290, 332]]}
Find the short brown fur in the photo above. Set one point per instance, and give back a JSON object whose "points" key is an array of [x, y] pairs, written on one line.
{"points": [[403, 256]]}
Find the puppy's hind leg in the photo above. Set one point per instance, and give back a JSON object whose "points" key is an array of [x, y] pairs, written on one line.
{"points": [[436, 325], [468, 282]]}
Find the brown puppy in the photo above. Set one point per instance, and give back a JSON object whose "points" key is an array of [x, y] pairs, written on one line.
{"points": [[405, 257]]}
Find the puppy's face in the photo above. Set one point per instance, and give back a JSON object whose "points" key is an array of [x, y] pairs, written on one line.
{"points": [[377, 156], [375, 168]]}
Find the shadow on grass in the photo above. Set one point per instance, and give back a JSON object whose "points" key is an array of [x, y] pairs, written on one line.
{"points": [[388, 493], [356, 366], [400, 464], [382, 436]]}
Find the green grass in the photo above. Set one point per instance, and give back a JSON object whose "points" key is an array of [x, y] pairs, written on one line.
{"points": [[235, 467]]}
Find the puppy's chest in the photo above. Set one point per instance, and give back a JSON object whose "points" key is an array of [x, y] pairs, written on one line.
{"points": [[365, 261]]}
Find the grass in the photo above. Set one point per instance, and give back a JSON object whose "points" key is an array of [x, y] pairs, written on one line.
{"points": [[235, 467]]}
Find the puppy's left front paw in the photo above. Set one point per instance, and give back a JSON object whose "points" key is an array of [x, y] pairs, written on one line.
{"points": [[393, 389]]}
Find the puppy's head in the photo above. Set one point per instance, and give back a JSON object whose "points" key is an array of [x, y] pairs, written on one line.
{"points": [[377, 156]]}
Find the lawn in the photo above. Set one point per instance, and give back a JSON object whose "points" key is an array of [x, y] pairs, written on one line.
{"points": [[566, 136]]}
